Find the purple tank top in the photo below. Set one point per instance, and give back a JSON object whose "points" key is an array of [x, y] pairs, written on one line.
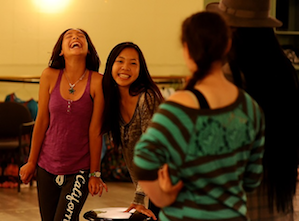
{"points": [[65, 149]]}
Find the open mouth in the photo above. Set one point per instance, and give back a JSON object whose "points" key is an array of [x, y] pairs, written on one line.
{"points": [[75, 45], [124, 76]]}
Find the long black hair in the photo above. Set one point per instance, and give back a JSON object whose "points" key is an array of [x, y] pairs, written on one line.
{"points": [[143, 83], [92, 59], [270, 78], [207, 36]]}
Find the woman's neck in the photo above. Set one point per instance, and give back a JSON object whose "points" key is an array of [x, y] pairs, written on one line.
{"points": [[75, 67], [215, 74], [127, 104], [124, 93]]}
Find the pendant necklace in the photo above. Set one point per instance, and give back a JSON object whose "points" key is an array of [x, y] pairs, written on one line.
{"points": [[71, 89]]}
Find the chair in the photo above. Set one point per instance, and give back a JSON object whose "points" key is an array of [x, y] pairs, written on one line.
{"points": [[16, 127]]}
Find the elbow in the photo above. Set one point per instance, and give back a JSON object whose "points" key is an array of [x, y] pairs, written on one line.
{"points": [[161, 201], [161, 204]]}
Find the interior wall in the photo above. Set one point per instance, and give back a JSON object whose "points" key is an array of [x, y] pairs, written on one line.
{"points": [[28, 34]]}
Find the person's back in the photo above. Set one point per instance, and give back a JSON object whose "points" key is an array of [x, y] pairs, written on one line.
{"points": [[259, 65], [276, 91], [210, 135], [209, 150]]}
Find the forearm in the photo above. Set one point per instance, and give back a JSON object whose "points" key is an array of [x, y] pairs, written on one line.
{"points": [[156, 194], [139, 193], [37, 140], [95, 136], [95, 148]]}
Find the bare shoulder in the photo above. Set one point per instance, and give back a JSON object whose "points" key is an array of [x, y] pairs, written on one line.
{"points": [[185, 98], [96, 77], [96, 84], [50, 73], [49, 77]]}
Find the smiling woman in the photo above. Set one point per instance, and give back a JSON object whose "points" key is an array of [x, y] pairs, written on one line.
{"points": [[70, 88], [131, 97], [51, 6]]}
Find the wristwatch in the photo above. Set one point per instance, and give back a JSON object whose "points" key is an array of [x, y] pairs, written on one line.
{"points": [[95, 174]]}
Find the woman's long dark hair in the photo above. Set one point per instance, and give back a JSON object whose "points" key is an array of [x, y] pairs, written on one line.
{"points": [[92, 59], [143, 83], [271, 80], [206, 35]]}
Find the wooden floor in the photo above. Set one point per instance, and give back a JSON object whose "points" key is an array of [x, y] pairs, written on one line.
{"points": [[24, 206]]}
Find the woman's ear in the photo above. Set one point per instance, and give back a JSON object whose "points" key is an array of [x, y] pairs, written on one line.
{"points": [[61, 53]]}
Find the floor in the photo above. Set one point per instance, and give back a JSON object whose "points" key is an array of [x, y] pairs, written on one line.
{"points": [[24, 206]]}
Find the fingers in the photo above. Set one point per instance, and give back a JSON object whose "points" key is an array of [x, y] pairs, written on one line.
{"points": [[148, 212], [162, 175], [142, 209], [96, 186], [177, 187], [27, 172], [130, 208], [91, 189], [163, 172], [100, 189], [104, 185], [25, 178], [165, 167]]}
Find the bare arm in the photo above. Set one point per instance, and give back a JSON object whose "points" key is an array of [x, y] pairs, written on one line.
{"points": [[161, 191], [156, 195], [95, 138], [47, 82]]}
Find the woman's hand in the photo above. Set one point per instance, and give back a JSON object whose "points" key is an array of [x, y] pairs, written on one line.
{"points": [[161, 191], [166, 184], [27, 171], [142, 209], [96, 186]]}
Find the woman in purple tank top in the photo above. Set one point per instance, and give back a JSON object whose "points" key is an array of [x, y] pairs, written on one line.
{"points": [[67, 142]]}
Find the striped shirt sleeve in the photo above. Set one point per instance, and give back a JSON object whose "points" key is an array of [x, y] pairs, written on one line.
{"points": [[168, 131]]}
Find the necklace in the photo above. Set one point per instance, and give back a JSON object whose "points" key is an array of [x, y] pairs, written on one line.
{"points": [[71, 89]]}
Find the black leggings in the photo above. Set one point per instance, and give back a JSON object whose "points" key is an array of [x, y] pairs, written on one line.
{"points": [[61, 197]]}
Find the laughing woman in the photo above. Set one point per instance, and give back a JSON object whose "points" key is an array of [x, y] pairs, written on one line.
{"points": [[66, 143]]}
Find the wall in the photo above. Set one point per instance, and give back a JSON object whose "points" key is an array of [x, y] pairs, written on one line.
{"points": [[28, 34]]}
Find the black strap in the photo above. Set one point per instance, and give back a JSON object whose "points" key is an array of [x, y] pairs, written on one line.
{"points": [[201, 99]]}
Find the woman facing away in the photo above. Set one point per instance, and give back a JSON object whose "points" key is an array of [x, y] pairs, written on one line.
{"points": [[131, 98], [271, 80], [259, 65], [209, 135], [66, 142]]}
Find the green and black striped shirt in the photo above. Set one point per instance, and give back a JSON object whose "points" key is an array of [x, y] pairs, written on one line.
{"points": [[216, 152]]}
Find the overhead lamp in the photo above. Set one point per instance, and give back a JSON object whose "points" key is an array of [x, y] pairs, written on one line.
{"points": [[51, 6]]}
